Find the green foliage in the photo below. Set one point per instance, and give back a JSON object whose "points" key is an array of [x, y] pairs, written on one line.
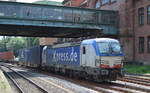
{"points": [[16, 43], [31, 41], [138, 69]]}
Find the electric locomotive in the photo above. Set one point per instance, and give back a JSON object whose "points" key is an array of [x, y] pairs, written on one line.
{"points": [[100, 59]]}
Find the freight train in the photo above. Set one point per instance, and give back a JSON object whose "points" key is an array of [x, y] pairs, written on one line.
{"points": [[99, 59]]}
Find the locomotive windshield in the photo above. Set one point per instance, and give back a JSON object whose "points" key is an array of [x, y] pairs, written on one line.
{"points": [[104, 47], [109, 48], [115, 48]]}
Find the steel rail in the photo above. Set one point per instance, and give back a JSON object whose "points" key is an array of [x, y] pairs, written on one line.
{"points": [[39, 87], [135, 82], [132, 74], [138, 79], [14, 82], [131, 87]]}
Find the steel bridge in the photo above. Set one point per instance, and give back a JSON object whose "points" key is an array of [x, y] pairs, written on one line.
{"points": [[24, 19]]}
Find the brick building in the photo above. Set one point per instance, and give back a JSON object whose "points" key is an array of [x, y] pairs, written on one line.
{"points": [[134, 25], [142, 30]]}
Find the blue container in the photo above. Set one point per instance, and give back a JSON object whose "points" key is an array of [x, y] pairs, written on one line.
{"points": [[23, 55], [31, 55], [34, 56]]}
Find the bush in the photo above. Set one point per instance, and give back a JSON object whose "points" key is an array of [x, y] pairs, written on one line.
{"points": [[138, 69]]}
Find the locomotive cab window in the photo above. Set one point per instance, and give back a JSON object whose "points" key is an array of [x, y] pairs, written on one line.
{"points": [[84, 51]]}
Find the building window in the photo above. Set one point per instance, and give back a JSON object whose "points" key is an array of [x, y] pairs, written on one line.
{"points": [[148, 44], [105, 2], [141, 44], [141, 16], [98, 4], [148, 14]]}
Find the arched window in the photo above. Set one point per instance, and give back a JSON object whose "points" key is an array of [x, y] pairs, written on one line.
{"points": [[98, 4]]}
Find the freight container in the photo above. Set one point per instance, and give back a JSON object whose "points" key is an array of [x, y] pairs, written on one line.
{"points": [[23, 55], [31, 56], [6, 56]]}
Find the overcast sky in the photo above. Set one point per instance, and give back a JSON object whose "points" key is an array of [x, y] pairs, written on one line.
{"points": [[30, 1]]}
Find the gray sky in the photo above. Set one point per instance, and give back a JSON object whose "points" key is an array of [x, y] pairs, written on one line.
{"points": [[30, 1]]}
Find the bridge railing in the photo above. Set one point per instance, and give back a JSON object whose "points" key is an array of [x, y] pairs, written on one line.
{"points": [[50, 13]]}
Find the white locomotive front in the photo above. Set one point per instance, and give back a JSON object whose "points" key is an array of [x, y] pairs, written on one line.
{"points": [[105, 54]]}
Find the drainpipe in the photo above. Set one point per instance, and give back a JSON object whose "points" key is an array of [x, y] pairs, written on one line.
{"points": [[133, 27]]}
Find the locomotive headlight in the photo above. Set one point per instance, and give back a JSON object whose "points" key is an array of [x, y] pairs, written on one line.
{"points": [[122, 61], [97, 62]]}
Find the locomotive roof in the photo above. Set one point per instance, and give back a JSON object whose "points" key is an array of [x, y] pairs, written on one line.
{"points": [[90, 41]]}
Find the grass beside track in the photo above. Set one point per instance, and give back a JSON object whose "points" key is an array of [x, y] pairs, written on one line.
{"points": [[138, 69]]}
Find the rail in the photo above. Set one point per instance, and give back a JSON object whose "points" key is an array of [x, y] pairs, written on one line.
{"points": [[30, 81]]}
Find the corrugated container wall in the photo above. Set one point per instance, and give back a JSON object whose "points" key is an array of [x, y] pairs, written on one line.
{"points": [[9, 56], [31, 55]]}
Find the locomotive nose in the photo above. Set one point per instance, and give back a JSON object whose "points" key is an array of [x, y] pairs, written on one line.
{"points": [[111, 62]]}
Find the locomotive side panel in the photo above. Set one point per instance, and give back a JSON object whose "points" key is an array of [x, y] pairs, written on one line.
{"points": [[88, 56], [69, 56]]}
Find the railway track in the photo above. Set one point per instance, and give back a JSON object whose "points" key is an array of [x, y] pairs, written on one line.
{"points": [[106, 87], [136, 81], [141, 75], [23, 84], [48, 85], [132, 86], [101, 88], [126, 85]]}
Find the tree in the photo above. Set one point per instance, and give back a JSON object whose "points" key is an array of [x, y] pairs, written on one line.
{"points": [[31, 41], [16, 43]]}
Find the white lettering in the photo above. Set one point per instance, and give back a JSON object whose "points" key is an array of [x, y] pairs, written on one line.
{"points": [[72, 57]]}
